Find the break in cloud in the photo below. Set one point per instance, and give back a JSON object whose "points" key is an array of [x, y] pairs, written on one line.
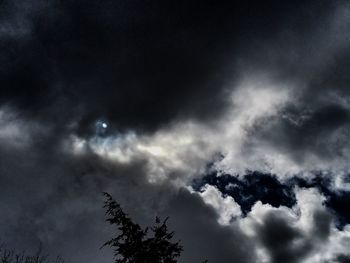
{"points": [[232, 119]]}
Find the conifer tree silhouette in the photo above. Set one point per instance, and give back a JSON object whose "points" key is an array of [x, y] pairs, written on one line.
{"points": [[134, 244]]}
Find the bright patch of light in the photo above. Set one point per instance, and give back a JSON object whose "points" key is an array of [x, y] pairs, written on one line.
{"points": [[154, 150]]}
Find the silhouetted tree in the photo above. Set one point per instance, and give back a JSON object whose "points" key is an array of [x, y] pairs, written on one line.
{"points": [[13, 256], [133, 244]]}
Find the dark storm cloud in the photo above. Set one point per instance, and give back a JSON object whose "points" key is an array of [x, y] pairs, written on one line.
{"points": [[286, 243], [202, 236], [342, 259], [53, 196], [138, 64], [300, 131], [131, 62], [277, 236], [315, 61]]}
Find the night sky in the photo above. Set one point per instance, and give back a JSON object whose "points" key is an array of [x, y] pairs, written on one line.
{"points": [[230, 118]]}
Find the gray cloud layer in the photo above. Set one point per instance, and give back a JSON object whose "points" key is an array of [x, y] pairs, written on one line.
{"points": [[262, 85]]}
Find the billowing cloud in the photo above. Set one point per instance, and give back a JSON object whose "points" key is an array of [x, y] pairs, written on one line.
{"points": [[232, 119]]}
